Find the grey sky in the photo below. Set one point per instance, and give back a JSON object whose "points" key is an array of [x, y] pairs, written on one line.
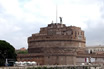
{"points": [[21, 18]]}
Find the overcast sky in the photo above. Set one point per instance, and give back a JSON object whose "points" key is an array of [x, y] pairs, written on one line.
{"points": [[21, 18]]}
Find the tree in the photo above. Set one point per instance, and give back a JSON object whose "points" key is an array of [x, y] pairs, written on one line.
{"points": [[22, 52], [7, 51]]}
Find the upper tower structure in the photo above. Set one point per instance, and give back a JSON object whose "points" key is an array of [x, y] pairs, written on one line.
{"points": [[56, 35]]}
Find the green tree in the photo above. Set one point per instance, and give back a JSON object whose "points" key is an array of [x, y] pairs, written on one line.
{"points": [[7, 51], [22, 52]]}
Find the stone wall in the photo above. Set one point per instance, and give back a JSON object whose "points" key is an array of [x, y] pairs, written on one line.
{"points": [[37, 46], [60, 60]]}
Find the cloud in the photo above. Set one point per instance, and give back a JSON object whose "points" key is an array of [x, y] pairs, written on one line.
{"points": [[95, 27], [11, 7], [95, 34], [21, 18]]}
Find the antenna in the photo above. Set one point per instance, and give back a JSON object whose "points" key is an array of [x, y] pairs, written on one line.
{"points": [[56, 13]]}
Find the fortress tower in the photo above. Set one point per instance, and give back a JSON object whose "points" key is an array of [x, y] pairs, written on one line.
{"points": [[56, 35], [57, 43]]}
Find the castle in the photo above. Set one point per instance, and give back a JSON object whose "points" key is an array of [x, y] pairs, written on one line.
{"points": [[57, 44]]}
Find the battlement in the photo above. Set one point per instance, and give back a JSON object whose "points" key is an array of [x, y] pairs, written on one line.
{"points": [[56, 25]]}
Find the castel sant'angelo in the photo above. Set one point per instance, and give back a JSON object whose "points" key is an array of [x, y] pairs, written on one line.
{"points": [[57, 44]]}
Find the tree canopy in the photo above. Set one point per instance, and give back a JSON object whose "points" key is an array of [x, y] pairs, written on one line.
{"points": [[22, 52], [7, 51]]}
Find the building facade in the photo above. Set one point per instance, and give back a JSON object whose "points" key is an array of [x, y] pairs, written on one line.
{"points": [[58, 44], [55, 44], [56, 35], [95, 49]]}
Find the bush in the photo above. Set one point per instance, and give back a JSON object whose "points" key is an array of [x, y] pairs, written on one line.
{"points": [[44, 68]]}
